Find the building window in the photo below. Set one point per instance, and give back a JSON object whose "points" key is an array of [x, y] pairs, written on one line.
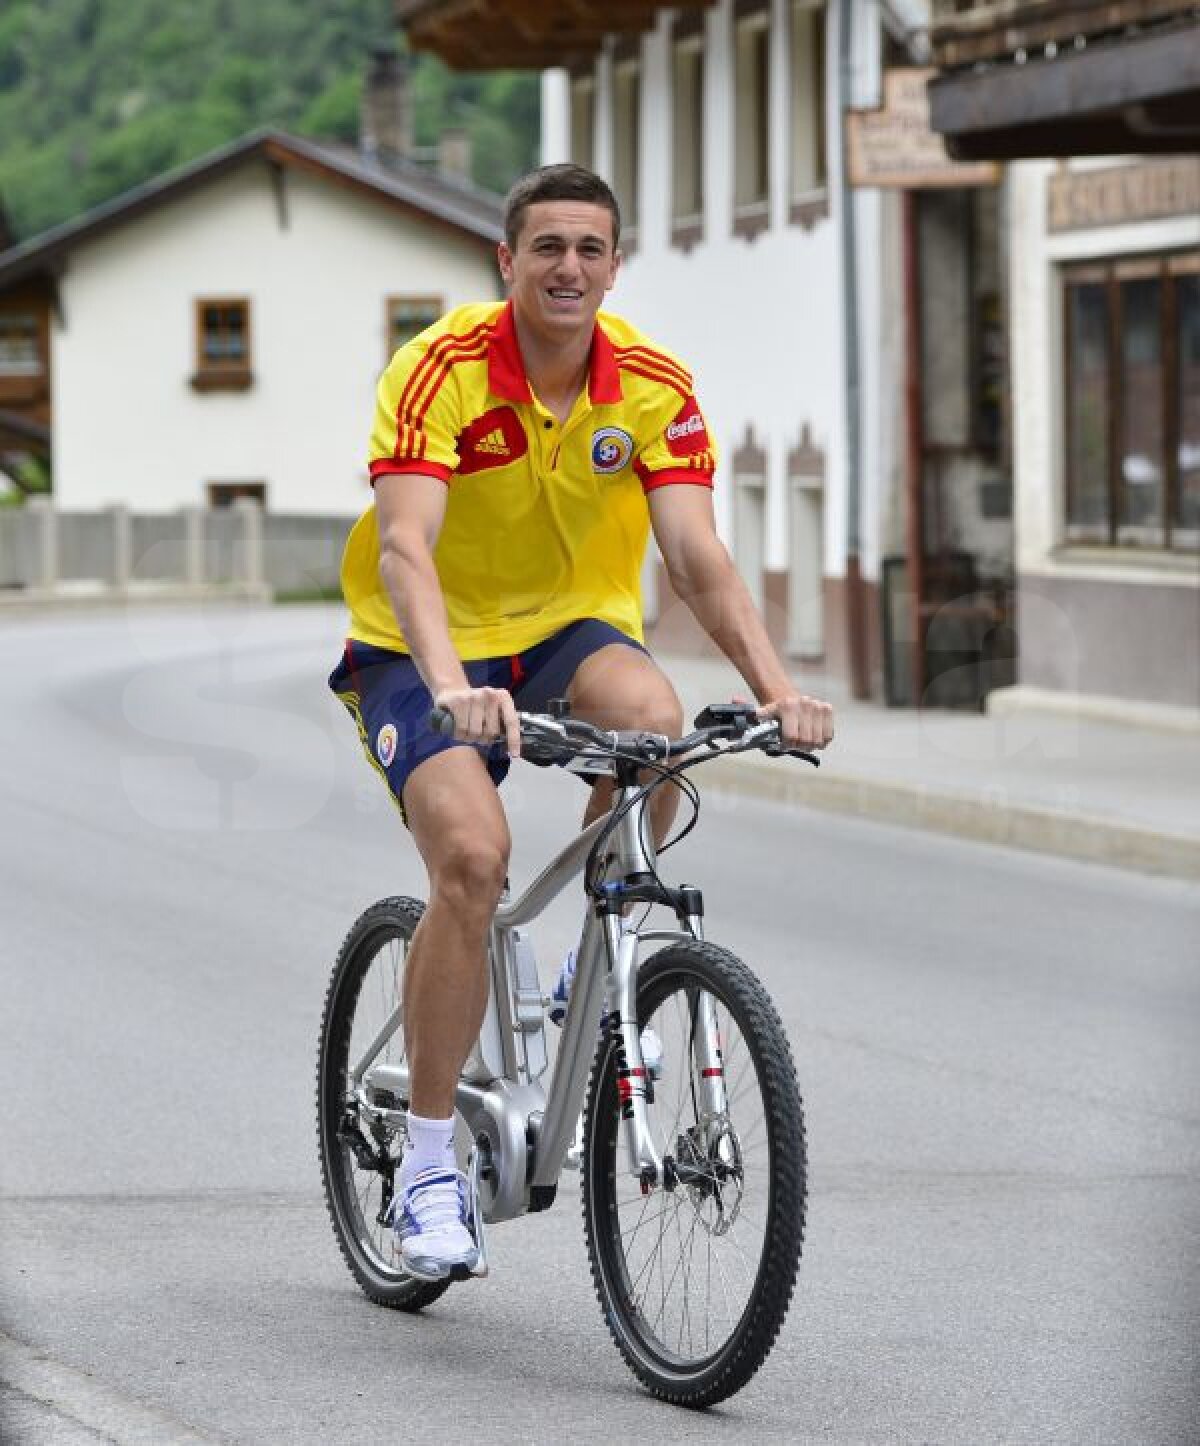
{"points": [[687, 130], [751, 126], [583, 117], [223, 361], [1132, 414], [225, 494], [627, 99], [408, 316], [806, 163], [20, 345]]}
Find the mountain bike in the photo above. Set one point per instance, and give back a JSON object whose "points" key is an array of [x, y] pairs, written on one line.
{"points": [[693, 1171]]}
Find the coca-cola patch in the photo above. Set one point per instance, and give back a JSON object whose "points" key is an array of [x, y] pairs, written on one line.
{"points": [[687, 434]]}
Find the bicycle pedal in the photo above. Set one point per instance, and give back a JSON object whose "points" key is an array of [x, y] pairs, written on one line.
{"points": [[467, 1272], [475, 1170]]}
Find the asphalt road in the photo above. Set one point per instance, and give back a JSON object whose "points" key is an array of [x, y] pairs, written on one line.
{"points": [[998, 1053]]}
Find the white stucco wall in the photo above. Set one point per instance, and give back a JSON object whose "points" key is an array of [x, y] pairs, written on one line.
{"points": [[129, 428], [760, 322], [1037, 373]]}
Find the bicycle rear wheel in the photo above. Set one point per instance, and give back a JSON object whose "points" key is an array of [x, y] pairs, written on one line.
{"points": [[695, 1278], [360, 1147]]}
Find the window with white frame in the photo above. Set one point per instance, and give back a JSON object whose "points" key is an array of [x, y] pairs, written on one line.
{"points": [[687, 129], [752, 35], [806, 90], [627, 103], [583, 117]]}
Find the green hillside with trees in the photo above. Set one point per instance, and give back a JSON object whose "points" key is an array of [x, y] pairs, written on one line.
{"points": [[98, 95]]}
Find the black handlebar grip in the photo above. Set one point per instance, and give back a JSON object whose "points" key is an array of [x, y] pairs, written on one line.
{"points": [[441, 720]]}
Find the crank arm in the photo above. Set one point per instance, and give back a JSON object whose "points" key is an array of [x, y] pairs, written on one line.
{"points": [[476, 1210]]}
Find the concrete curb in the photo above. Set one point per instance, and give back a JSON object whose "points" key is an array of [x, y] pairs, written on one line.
{"points": [[982, 817], [1097, 708]]}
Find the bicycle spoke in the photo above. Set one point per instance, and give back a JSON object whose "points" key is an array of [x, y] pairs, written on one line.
{"points": [[633, 1230], [687, 1283], [668, 1284]]}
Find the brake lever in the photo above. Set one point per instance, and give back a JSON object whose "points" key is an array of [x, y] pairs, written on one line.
{"points": [[776, 750]]}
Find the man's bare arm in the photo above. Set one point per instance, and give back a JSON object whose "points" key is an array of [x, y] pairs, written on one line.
{"points": [[410, 509], [703, 575]]}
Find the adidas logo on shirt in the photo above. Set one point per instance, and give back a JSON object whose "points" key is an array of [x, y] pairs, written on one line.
{"points": [[494, 444]]}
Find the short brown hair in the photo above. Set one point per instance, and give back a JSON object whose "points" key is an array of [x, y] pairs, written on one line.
{"points": [[563, 182]]}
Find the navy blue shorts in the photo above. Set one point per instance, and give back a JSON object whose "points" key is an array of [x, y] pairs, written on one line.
{"points": [[383, 692]]}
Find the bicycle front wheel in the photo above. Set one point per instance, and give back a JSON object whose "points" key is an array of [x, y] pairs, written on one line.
{"points": [[695, 1276]]}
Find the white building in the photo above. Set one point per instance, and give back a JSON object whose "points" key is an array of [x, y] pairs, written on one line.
{"points": [[749, 254], [218, 332], [714, 129], [1106, 345], [1102, 132]]}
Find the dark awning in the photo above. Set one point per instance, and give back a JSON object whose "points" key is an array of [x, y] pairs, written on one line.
{"points": [[1043, 82]]}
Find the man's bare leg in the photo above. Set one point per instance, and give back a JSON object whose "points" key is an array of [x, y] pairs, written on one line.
{"points": [[621, 687], [459, 827]]}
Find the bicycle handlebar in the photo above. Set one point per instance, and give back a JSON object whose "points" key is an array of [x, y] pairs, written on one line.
{"points": [[547, 739]]}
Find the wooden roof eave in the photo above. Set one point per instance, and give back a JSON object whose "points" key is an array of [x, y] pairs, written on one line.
{"points": [[468, 35]]}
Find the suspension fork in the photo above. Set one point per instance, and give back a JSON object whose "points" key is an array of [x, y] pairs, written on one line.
{"points": [[706, 1045], [710, 1063], [645, 1162]]}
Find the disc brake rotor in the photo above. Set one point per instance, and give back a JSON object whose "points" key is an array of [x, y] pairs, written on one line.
{"points": [[714, 1177]]}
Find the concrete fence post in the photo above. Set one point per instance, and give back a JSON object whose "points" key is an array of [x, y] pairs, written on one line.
{"points": [[122, 545], [193, 546], [45, 542], [248, 553]]}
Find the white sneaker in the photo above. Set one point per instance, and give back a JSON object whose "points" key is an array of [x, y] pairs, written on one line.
{"points": [[431, 1222]]}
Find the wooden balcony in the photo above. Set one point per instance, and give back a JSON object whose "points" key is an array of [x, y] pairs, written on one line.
{"points": [[965, 33], [1026, 78]]}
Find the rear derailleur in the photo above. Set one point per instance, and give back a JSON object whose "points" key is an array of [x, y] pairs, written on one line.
{"points": [[369, 1154]]}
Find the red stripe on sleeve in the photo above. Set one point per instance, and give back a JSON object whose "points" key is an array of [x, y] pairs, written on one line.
{"points": [[452, 359], [666, 378], [651, 481], [428, 363], [656, 359], [390, 467]]}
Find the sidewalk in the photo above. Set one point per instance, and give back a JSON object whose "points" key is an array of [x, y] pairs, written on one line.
{"points": [[1084, 789]]}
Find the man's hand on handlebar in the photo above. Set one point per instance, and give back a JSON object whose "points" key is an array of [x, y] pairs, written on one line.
{"points": [[804, 722], [482, 715]]}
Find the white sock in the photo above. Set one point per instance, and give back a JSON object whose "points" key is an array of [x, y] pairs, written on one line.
{"points": [[430, 1147]]}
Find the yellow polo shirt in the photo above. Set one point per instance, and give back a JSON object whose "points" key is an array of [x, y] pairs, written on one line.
{"points": [[546, 523]]}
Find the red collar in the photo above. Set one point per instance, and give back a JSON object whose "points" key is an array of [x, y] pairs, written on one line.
{"points": [[506, 369]]}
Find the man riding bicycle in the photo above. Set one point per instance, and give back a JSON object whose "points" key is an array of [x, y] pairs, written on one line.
{"points": [[520, 455]]}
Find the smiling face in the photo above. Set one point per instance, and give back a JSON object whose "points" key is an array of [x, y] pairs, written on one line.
{"points": [[563, 263]]}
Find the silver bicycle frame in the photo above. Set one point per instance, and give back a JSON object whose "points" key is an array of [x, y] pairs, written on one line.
{"points": [[531, 1129]]}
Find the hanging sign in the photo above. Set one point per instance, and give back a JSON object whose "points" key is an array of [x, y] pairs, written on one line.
{"points": [[894, 146]]}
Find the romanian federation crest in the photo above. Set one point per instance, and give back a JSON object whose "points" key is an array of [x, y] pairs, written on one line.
{"points": [[385, 744], [611, 449]]}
